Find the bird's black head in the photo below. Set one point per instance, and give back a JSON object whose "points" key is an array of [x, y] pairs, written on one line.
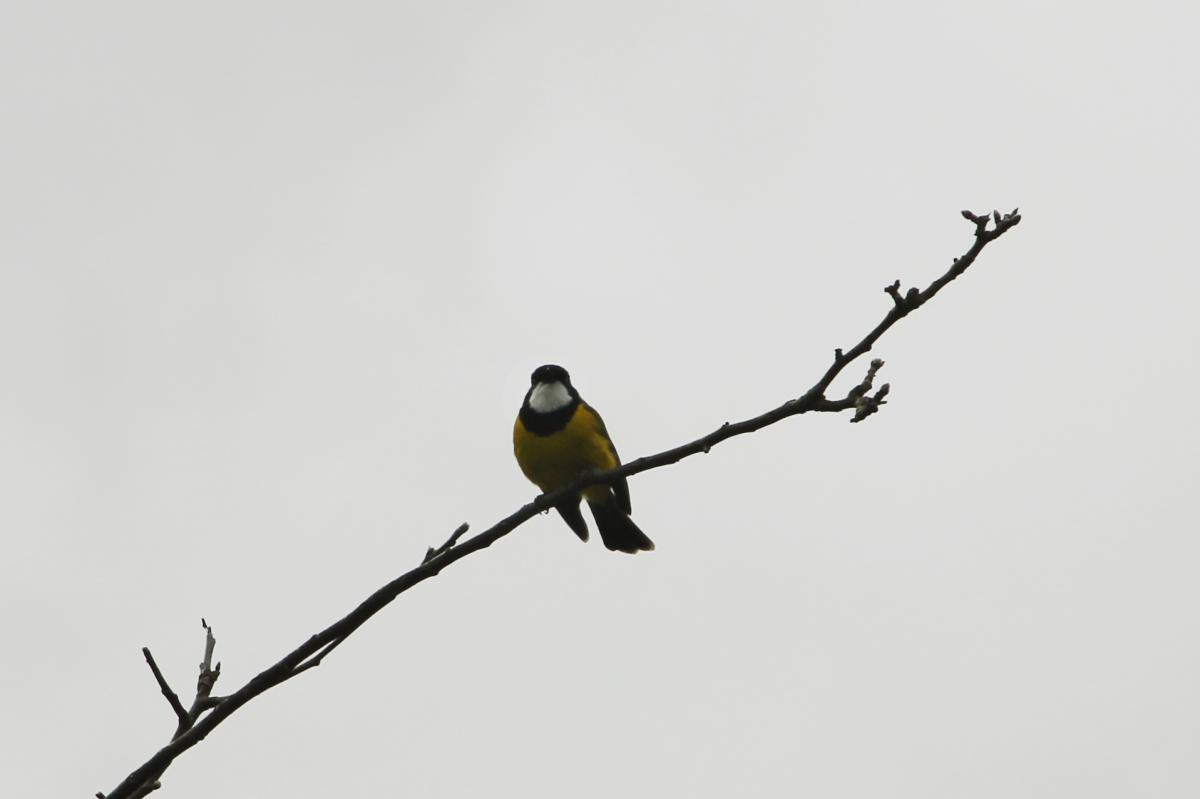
{"points": [[550, 373], [550, 401]]}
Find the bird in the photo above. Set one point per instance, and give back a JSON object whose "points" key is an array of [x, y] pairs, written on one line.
{"points": [[557, 437]]}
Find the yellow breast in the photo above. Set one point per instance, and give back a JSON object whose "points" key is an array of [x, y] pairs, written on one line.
{"points": [[558, 458]]}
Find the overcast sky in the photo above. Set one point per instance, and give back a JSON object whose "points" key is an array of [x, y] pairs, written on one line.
{"points": [[272, 280]]}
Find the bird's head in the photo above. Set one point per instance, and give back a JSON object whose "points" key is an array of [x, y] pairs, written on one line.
{"points": [[550, 389]]}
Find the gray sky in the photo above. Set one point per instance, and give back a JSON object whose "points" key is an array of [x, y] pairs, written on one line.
{"points": [[272, 279]]}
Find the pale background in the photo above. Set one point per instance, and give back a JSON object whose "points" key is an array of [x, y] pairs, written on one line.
{"points": [[273, 278]]}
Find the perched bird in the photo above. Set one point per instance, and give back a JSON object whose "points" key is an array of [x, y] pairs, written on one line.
{"points": [[557, 437]]}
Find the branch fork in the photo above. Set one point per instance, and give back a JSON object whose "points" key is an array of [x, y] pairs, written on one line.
{"points": [[433, 552], [185, 719], [865, 404]]}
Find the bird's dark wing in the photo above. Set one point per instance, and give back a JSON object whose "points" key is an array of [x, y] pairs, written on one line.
{"points": [[620, 487]]}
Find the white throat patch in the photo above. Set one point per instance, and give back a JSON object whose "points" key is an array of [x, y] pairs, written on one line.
{"points": [[549, 397]]}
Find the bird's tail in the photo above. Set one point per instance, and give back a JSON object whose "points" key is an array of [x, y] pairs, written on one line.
{"points": [[569, 510], [617, 530]]}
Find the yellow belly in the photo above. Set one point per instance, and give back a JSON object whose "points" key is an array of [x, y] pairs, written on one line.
{"points": [[554, 460]]}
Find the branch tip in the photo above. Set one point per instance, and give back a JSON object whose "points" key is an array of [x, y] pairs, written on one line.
{"points": [[171, 697], [432, 553], [894, 292], [208, 673], [864, 406]]}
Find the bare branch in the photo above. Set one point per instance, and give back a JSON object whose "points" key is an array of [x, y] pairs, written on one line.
{"points": [[865, 405], [316, 659], [432, 553], [208, 673], [145, 789], [313, 650], [865, 386], [172, 697], [894, 291], [186, 718]]}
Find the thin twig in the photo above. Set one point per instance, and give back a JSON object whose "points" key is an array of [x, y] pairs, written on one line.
{"points": [[316, 659], [432, 553], [172, 697], [208, 673], [320, 644]]}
